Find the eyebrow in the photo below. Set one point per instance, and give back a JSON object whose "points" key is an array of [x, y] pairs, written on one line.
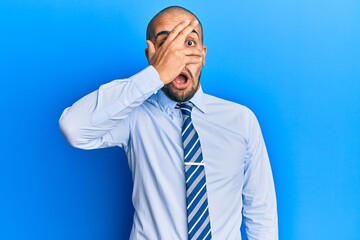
{"points": [[168, 32]]}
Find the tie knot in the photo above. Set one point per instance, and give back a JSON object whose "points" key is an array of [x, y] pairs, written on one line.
{"points": [[185, 108]]}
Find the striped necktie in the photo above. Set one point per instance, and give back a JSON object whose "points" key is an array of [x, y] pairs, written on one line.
{"points": [[196, 196]]}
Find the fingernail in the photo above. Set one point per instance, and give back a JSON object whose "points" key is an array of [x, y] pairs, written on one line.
{"points": [[196, 22], [187, 21]]}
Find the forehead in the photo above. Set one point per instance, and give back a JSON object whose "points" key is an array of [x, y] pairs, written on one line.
{"points": [[167, 21]]}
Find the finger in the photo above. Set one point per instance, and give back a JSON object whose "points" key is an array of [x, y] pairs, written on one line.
{"points": [[176, 31], [181, 36], [151, 49], [193, 59], [193, 52]]}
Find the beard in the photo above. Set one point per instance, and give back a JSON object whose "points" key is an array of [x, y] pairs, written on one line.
{"points": [[182, 95], [179, 95]]}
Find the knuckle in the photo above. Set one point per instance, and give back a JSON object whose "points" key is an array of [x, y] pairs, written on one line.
{"points": [[183, 33], [176, 29]]}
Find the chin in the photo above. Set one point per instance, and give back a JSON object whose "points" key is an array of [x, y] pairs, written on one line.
{"points": [[179, 95]]}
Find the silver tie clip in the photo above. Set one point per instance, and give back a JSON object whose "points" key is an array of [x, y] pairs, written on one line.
{"points": [[194, 163]]}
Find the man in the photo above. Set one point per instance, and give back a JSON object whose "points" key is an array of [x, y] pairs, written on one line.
{"points": [[199, 163]]}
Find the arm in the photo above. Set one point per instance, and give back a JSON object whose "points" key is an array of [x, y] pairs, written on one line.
{"points": [[259, 199], [88, 123], [102, 118]]}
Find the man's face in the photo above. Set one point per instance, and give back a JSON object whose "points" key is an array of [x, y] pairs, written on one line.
{"points": [[185, 85]]}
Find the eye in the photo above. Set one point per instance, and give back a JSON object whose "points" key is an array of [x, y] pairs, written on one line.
{"points": [[190, 43]]}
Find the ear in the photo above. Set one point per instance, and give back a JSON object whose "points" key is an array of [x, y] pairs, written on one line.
{"points": [[204, 50], [150, 50], [147, 53]]}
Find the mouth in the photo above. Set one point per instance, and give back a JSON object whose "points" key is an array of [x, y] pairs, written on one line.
{"points": [[181, 81]]}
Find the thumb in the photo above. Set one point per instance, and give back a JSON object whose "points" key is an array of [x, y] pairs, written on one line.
{"points": [[150, 50]]}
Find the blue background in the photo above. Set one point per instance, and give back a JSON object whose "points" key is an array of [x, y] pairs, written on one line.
{"points": [[296, 64]]}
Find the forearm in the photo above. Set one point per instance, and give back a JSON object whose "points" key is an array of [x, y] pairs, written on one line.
{"points": [[259, 198], [260, 214], [260, 210], [87, 121]]}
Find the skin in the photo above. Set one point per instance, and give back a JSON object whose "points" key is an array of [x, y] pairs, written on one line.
{"points": [[176, 52]]}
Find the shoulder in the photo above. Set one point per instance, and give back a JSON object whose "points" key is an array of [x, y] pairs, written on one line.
{"points": [[221, 106], [232, 116], [229, 114]]}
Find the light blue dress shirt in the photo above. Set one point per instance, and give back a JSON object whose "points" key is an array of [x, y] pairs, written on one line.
{"points": [[133, 114]]}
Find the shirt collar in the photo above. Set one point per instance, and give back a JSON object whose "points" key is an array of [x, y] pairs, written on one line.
{"points": [[167, 105]]}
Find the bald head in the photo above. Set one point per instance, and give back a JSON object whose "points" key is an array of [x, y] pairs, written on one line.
{"points": [[172, 10]]}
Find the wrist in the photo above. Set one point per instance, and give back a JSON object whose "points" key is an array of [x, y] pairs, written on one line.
{"points": [[148, 80]]}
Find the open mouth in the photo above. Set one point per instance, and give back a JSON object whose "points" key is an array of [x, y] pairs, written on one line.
{"points": [[181, 81]]}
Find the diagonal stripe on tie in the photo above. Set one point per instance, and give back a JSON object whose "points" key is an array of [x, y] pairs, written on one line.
{"points": [[204, 232], [190, 172], [198, 190], [195, 144], [197, 223], [194, 182], [196, 195], [188, 138], [187, 128], [196, 207], [197, 212]]}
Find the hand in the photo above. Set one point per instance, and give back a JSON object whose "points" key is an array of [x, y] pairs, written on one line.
{"points": [[171, 57]]}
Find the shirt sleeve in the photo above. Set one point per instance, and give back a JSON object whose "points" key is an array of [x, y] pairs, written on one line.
{"points": [[259, 199], [103, 117]]}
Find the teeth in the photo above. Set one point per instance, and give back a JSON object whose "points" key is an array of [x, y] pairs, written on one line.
{"points": [[181, 79]]}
